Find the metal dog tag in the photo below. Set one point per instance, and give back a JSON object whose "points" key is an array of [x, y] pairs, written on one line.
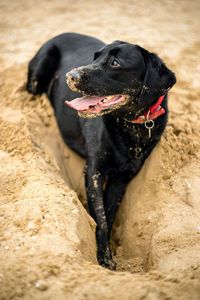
{"points": [[149, 125]]}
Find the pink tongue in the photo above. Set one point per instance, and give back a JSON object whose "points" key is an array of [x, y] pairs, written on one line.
{"points": [[84, 102]]}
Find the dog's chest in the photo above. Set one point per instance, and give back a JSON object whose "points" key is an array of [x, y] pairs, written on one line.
{"points": [[129, 145]]}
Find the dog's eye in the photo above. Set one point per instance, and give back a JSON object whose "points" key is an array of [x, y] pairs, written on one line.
{"points": [[115, 63]]}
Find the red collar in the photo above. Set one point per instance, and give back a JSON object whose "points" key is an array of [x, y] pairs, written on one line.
{"points": [[152, 113]]}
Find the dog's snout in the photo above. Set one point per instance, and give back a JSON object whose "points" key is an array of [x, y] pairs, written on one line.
{"points": [[72, 78], [73, 75]]}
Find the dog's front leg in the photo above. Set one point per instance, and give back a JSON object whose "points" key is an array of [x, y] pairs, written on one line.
{"points": [[94, 190]]}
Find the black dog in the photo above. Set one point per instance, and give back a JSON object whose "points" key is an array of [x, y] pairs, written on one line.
{"points": [[124, 113]]}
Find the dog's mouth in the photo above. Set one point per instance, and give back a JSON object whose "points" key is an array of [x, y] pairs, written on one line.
{"points": [[93, 104]]}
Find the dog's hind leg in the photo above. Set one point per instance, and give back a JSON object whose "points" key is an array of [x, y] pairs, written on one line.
{"points": [[113, 194], [42, 68], [115, 189]]}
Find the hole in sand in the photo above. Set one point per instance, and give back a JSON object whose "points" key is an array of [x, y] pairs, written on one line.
{"points": [[44, 132], [145, 232]]}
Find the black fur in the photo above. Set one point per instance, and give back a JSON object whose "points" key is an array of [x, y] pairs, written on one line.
{"points": [[114, 148]]}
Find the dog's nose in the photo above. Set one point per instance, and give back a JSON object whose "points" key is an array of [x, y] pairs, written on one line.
{"points": [[73, 75]]}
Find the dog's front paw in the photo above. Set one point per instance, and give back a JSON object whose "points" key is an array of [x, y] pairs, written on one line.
{"points": [[108, 263], [106, 260]]}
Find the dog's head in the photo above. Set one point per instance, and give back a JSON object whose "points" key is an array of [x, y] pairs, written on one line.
{"points": [[124, 78]]}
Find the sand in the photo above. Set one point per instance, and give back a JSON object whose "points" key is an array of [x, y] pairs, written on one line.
{"points": [[47, 238]]}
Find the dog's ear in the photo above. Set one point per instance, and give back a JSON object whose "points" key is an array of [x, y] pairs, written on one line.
{"points": [[158, 78]]}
